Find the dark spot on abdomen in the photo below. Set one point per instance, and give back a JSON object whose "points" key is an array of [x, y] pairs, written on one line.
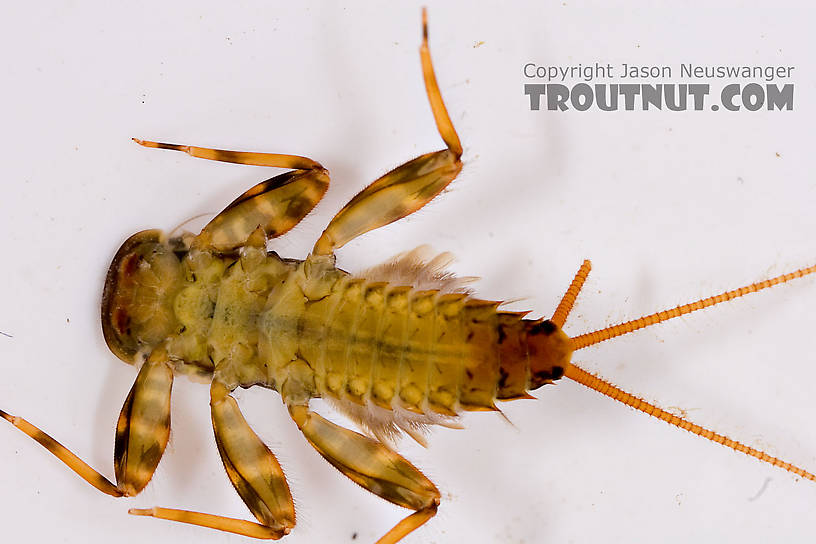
{"points": [[544, 327]]}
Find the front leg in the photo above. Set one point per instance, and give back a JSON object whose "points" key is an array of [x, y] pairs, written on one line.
{"points": [[275, 205], [374, 467], [143, 429], [141, 432]]}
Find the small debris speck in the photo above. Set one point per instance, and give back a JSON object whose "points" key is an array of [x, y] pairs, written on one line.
{"points": [[478, 44], [761, 490], [778, 155], [354, 536], [6, 334]]}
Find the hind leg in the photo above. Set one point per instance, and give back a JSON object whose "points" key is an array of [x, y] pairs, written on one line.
{"points": [[374, 467]]}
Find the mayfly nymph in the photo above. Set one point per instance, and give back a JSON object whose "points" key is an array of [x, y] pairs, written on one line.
{"points": [[397, 348]]}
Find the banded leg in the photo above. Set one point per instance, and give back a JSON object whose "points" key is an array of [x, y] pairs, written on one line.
{"points": [[141, 433], [254, 472], [374, 467], [406, 188], [275, 205], [251, 158], [144, 425]]}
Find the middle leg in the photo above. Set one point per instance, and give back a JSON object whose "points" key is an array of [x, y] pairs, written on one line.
{"points": [[254, 472], [407, 188]]}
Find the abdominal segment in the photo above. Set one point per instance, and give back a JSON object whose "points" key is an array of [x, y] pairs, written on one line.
{"points": [[310, 330]]}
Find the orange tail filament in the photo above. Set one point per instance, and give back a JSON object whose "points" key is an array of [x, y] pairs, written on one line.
{"points": [[592, 338], [605, 388], [568, 300]]}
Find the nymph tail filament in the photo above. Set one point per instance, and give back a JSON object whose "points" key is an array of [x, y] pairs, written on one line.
{"points": [[604, 387], [592, 338]]}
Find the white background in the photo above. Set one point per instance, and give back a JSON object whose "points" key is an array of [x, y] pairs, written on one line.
{"points": [[669, 206]]}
